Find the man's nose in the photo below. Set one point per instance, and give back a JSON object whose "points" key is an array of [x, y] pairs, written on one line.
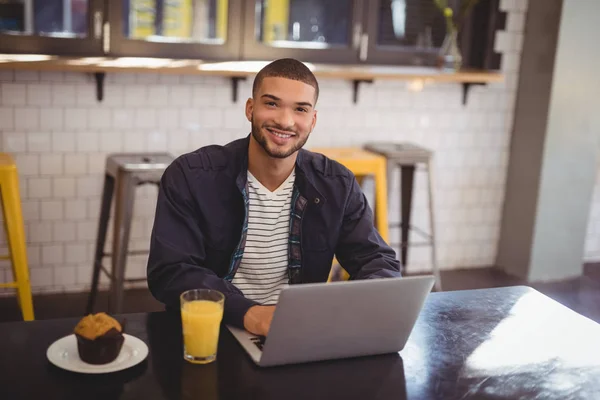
{"points": [[285, 118]]}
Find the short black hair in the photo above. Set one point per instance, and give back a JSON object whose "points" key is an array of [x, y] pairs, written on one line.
{"points": [[288, 68]]}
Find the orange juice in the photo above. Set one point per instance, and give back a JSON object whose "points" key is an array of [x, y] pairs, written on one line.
{"points": [[201, 320]]}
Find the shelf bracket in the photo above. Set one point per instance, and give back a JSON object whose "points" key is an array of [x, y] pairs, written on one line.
{"points": [[235, 80], [466, 86], [355, 84], [99, 85]]}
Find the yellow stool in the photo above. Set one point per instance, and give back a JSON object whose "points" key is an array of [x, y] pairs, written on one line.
{"points": [[15, 232], [363, 163]]}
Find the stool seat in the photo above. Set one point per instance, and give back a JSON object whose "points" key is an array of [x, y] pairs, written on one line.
{"points": [[124, 172], [402, 153], [145, 166], [15, 234], [138, 161], [347, 153]]}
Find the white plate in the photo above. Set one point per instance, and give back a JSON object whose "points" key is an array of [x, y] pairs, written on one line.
{"points": [[63, 353]]}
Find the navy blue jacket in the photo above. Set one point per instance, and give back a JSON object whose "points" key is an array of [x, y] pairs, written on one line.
{"points": [[200, 226]]}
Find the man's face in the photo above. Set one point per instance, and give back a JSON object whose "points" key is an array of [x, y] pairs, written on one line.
{"points": [[282, 115]]}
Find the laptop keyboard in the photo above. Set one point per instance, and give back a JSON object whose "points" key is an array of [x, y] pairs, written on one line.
{"points": [[258, 341]]}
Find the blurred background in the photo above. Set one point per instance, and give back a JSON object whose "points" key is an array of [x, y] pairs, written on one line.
{"points": [[498, 93]]}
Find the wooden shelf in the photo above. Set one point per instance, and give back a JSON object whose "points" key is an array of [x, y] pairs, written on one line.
{"points": [[241, 69], [234, 68]]}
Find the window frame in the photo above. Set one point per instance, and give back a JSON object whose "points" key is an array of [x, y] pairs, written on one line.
{"points": [[122, 46], [389, 54], [36, 44], [241, 43], [254, 50]]}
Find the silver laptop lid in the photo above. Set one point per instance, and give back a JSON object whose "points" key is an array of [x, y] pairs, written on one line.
{"points": [[344, 319]]}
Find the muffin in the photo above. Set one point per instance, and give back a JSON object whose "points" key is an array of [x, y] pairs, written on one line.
{"points": [[99, 338]]}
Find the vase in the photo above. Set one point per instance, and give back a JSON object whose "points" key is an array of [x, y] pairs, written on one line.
{"points": [[449, 57]]}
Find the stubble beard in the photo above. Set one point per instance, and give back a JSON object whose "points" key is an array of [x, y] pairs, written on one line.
{"points": [[259, 135]]}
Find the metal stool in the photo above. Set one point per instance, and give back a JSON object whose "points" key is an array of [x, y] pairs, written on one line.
{"points": [[125, 172], [407, 156]]}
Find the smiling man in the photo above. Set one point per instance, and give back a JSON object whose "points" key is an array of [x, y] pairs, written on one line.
{"points": [[260, 213]]}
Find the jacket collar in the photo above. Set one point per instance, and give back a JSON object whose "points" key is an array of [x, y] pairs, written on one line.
{"points": [[305, 179], [304, 173]]}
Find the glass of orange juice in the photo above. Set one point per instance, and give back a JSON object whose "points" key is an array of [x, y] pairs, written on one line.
{"points": [[201, 315]]}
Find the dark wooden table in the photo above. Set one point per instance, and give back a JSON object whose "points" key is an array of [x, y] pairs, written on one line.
{"points": [[502, 343]]}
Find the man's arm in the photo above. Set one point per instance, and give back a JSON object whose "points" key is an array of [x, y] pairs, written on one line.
{"points": [[360, 250], [177, 253]]}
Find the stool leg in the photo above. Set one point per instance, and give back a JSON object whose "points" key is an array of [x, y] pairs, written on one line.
{"points": [[381, 205], [390, 176], [107, 194], [122, 226], [406, 180], [15, 232], [371, 199], [434, 264]]}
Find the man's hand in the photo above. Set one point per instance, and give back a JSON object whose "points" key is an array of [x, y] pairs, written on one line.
{"points": [[258, 319]]}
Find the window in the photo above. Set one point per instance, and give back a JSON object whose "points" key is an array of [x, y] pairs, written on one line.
{"points": [[401, 32], [410, 23], [397, 32], [404, 32], [55, 18], [311, 30], [207, 29], [303, 23], [51, 26], [184, 21]]}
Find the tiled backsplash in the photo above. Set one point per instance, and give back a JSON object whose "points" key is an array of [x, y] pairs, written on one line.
{"points": [[60, 136]]}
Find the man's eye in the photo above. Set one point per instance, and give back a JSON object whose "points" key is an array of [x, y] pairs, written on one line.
{"points": [[271, 103], [301, 109]]}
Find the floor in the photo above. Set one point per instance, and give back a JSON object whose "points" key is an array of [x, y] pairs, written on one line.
{"points": [[581, 294]]}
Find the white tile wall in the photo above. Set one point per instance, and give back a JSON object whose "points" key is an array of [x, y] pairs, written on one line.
{"points": [[14, 94], [60, 137]]}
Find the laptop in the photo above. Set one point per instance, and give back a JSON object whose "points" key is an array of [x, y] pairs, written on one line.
{"points": [[326, 321]]}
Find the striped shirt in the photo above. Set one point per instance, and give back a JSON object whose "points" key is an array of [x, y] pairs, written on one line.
{"points": [[263, 270]]}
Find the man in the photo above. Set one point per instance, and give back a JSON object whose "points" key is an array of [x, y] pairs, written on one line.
{"points": [[256, 214]]}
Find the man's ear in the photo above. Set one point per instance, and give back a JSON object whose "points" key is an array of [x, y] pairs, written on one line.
{"points": [[249, 108], [314, 121]]}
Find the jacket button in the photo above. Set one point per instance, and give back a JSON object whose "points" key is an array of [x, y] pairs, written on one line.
{"points": [[317, 200]]}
